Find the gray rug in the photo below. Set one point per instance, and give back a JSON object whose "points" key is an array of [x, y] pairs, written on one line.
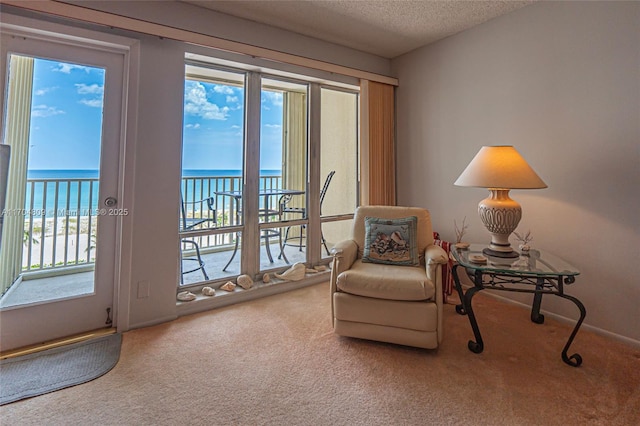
{"points": [[57, 368]]}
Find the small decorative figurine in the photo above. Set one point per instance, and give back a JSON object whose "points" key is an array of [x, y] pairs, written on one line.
{"points": [[524, 241], [228, 286], [245, 281], [295, 273], [208, 291], [460, 233]]}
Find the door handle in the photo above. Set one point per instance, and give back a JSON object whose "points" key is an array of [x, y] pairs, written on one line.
{"points": [[110, 201]]}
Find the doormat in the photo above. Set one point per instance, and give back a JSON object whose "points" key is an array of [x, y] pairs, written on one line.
{"points": [[58, 368]]}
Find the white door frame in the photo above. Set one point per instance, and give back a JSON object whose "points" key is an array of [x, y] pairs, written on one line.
{"points": [[129, 49]]}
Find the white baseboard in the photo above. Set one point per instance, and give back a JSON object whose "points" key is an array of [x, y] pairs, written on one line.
{"points": [[156, 321], [561, 318]]}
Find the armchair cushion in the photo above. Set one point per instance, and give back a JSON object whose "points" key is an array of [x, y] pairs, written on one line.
{"points": [[391, 241], [425, 231], [382, 281]]}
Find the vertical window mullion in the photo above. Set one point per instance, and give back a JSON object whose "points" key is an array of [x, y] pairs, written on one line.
{"points": [[313, 231], [250, 262]]}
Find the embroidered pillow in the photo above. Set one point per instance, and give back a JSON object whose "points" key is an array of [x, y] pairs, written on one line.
{"points": [[391, 241]]}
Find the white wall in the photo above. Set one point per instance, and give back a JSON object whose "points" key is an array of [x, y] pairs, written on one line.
{"points": [[561, 82], [157, 172]]}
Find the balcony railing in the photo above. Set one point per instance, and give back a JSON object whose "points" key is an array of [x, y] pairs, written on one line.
{"points": [[195, 189], [60, 223], [61, 217]]}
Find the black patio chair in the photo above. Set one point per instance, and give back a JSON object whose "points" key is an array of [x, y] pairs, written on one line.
{"points": [[284, 209], [189, 224]]}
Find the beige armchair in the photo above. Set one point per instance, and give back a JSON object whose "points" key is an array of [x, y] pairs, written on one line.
{"points": [[387, 302]]}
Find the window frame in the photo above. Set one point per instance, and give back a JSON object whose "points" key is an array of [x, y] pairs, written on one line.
{"points": [[250, 226]]}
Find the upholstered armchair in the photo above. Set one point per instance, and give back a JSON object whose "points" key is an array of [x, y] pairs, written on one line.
{"points": [[386, 280]]}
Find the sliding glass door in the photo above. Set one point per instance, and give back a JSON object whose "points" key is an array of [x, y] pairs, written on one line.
{"points": [[283, 153], [211, 216], [248, 202], [338, 164]]}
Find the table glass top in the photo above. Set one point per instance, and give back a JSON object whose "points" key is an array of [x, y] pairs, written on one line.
{"points": [[535, 262]]}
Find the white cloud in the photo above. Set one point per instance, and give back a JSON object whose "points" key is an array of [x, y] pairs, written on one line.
{"points": [[231, 99], [193, 126], [45, 111], [274, 98], [223, 89], [93, 103], [93, 89], [67, 68], [196, 103], [235, 126], [273, 126], [45, 90]]}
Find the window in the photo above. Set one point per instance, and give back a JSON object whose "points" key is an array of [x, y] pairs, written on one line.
{"points": [[247, 203], [339, 155]]}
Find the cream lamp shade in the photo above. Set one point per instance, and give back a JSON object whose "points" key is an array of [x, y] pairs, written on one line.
{"points": [[500, 168]]}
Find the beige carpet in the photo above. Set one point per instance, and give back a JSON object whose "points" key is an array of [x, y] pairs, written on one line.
{"points": [[276, 361]]}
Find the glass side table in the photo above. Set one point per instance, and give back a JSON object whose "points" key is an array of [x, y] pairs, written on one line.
{"points": [[534, 272]]}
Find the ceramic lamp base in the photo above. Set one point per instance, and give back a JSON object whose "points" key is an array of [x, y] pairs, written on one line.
{"points": [[500, 215], [502, 254]]}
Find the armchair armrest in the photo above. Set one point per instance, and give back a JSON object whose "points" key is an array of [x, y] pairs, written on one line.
{"points": [[210, 201], [433, 257], [435, 254], [344, 254], [200, 214]]}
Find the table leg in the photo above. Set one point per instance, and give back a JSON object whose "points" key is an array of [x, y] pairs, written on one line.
{"points": [[282, 200], [456, 280], [478, 345], [265, 232], [236, 200], [235, 249], [282, 255], [536, 316], [267, 246], [574, 360]]}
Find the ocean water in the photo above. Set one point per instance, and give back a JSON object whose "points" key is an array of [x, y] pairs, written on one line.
{"points": [[78, 192]]}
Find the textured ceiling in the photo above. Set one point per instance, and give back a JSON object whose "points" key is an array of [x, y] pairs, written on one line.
{"points": [[386, 28]]}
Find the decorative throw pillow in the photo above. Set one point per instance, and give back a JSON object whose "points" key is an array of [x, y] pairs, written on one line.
{"points": [[391, 241]]}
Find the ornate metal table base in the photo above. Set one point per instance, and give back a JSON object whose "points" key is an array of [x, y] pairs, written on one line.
{"points": [[518, 281]]}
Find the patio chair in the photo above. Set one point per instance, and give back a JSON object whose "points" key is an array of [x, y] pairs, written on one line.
{"points": [[303, 212], [189, 224]]}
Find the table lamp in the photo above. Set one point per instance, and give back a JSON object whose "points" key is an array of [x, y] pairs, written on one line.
{"points": [[500, 169]]}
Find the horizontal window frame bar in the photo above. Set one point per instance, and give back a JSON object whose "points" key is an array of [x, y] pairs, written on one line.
{"points": [[101, 18], [211, 231]]}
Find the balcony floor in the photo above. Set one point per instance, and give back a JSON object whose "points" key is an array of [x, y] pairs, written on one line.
{"points": [[39, 290], [214, 262]]}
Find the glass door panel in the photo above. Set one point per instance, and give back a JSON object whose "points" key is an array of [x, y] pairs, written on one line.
{"points": [[283, 169], [212, 174], [334, 232], [62, 118], [339, 162]]}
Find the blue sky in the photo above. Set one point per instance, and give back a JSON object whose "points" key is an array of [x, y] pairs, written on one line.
{"points": [[213, 127], [67, 118]]}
